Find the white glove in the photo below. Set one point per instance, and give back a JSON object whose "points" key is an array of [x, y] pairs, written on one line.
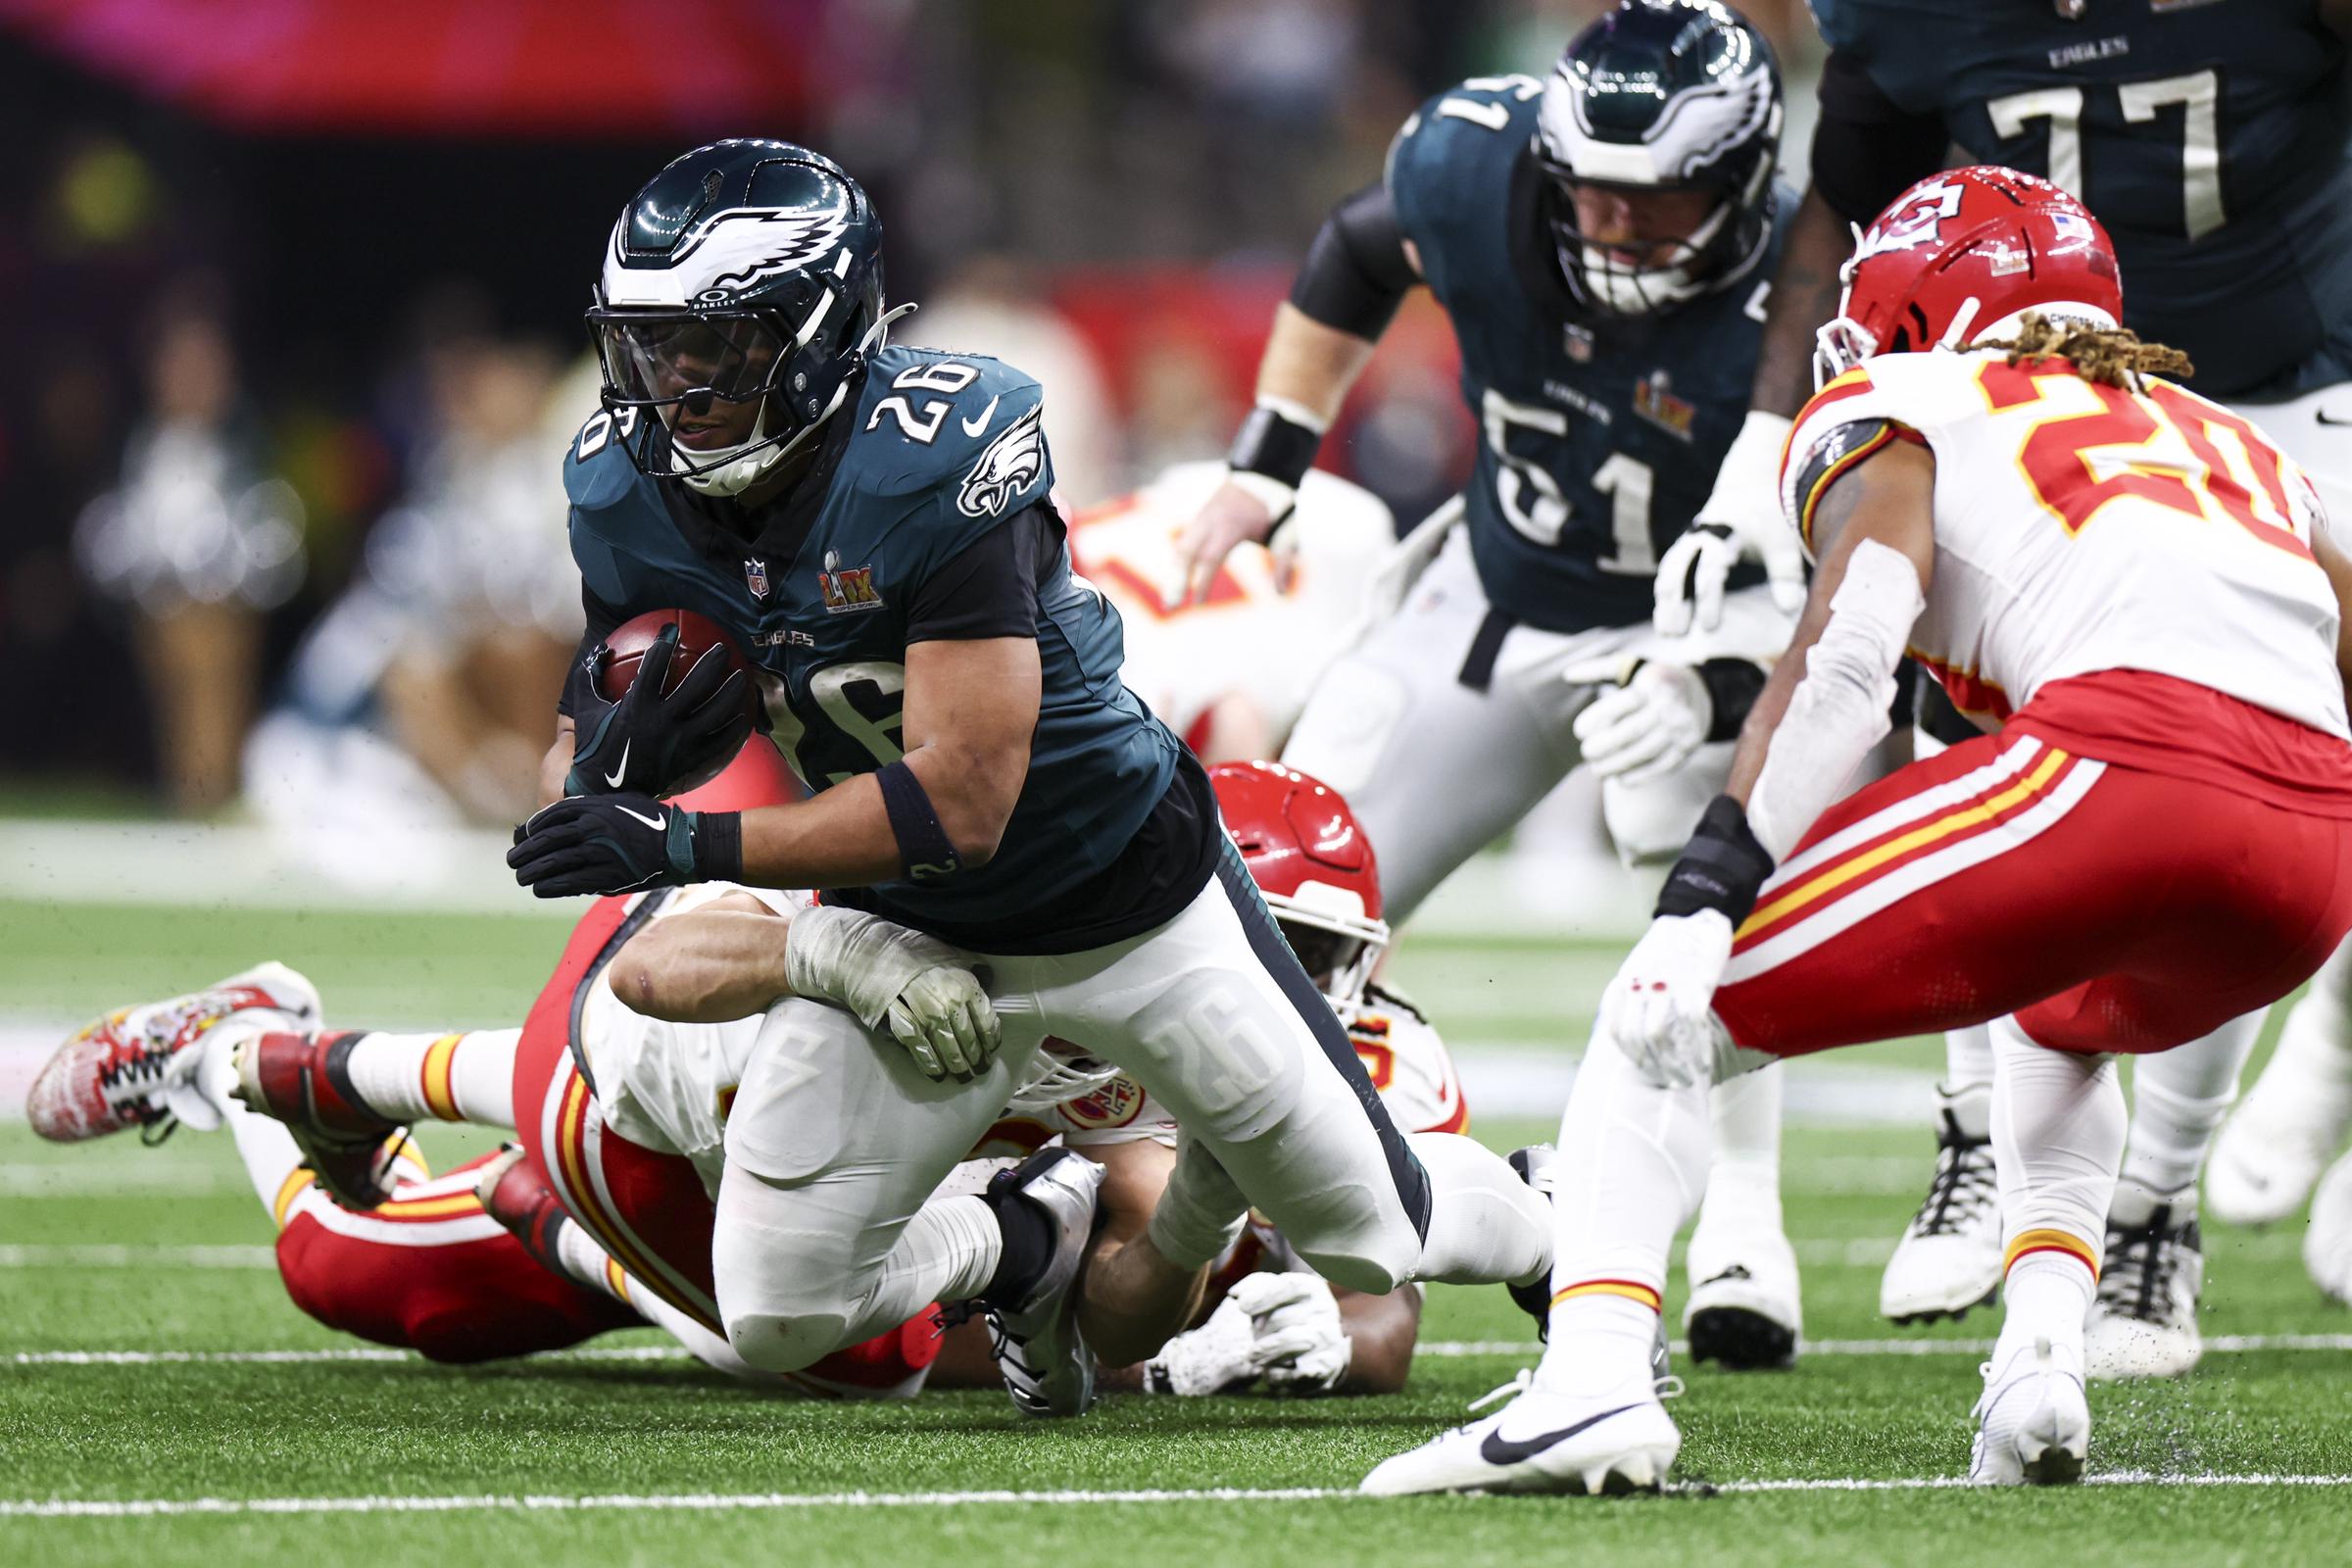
{"points": [[1220, 1354], [1741, 517], [1302, 1343], [1660, 1008], [1646, 721], [923, 991]]}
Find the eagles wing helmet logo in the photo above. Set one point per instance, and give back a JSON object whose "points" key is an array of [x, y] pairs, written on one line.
{"points": [[1007, 465], [783, 242]]}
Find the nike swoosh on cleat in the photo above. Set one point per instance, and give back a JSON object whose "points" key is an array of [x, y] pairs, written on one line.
{"points": [[979, 422], [1498, 1450], [654, 821], [612, 779]]}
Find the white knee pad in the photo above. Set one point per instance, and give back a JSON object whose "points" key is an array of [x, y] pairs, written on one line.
{"points": [[779, 1340]]}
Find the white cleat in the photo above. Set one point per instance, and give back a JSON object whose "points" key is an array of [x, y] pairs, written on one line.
{"points": [[2034, 1423], [135, 1067], [1949, 1259], [1544, 1441], [2283, 1134], [1744, 1310], [2327, 1244], [2143, 1323]]}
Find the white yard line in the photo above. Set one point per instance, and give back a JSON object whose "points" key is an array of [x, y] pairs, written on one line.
{"points": [[721, 1502], [2216, 1345], [1443, 1349]]}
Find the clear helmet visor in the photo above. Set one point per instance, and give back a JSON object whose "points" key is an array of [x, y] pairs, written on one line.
{"points": [[670, 361]]}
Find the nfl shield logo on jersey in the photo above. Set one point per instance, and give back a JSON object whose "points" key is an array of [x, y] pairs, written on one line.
{"points": [[754, 576]]}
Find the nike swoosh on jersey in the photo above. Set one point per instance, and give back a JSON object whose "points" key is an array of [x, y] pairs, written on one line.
{"points": [[979, 422], [1498, 1450], [654, 821], [612, 779]]}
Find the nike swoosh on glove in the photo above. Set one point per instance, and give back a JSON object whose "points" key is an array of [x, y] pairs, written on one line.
{"points": [[606, 844], [1660, 1008], [647, 743]]}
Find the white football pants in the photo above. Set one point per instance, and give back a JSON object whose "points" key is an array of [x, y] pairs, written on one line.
{"points": [[827, 1230]]}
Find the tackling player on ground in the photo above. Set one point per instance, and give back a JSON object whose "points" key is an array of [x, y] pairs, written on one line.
{"points": [[2212, 141], [1600, 241], [2157, 841]]}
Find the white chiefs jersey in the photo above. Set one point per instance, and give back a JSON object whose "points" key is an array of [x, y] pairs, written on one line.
{"points": [[1244, 638], [2080, 528]]}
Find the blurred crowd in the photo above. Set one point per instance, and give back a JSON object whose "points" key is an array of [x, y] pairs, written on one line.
{"points": [[283, 519]]}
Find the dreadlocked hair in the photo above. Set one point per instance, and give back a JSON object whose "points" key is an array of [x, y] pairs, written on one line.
{"points": [[2113, 356]]}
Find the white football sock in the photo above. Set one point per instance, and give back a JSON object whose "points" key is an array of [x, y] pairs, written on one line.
{"points": [[1967, 1057], [262, 1141], [1631, 1160], [2046, 1296], [467, 1076], [2178, 1100], [2057, 1142], [1484, 1223], [1743, 1178]]}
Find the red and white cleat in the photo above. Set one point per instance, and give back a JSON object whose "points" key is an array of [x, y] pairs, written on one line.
{"points": [[136, 1066], [299, 1079]]}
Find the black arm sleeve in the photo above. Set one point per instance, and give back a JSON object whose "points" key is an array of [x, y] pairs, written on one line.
{"points": [[601, 619], [1867, 148], [990, 589], [1356, 273]]}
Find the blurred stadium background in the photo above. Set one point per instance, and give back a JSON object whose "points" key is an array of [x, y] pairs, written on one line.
{"points": [[293, 293]]}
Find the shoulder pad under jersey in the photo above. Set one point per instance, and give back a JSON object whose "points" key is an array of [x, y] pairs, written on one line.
{"points": [[963, 431]]}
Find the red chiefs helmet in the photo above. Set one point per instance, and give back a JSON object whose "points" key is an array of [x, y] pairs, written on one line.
{"points": [[1961, 255], [1312, 862]]}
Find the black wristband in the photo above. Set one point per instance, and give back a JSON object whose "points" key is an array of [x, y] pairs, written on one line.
{"points": [[1732, 686], [1723, 868], [925, 852], [718, 845], [1281, 449]]}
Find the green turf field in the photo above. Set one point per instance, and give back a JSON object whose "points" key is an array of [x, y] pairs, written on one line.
{"points": [[135, 1426]]}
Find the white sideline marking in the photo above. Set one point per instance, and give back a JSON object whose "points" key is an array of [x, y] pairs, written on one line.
{"points": [[113, 1255], [2218, 1345], [150, 1507], [1453, 1350]]}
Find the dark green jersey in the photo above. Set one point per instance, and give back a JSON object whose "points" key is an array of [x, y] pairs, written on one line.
{"points": [[1601, 438], [2208, 135], [941, 448]]}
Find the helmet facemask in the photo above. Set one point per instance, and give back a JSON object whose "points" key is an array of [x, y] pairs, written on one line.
{"points": [[1338, 951], [1699, 260], [682, 365]]}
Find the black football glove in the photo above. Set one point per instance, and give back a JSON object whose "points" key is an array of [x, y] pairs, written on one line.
{"points": [[646, 742], [623, 843]]}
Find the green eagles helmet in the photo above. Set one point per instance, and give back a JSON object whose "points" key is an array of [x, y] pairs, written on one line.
{"points": [[1662, 95], [748, 272]]}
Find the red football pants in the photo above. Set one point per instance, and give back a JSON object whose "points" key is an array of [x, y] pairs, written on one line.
{"points": [[2111, 909]]}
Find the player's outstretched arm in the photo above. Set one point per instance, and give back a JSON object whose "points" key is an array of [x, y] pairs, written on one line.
{"points": [[1818, 716], [1825, 704], [1356, 272]]}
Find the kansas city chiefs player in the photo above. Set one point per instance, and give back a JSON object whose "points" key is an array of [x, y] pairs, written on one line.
{"points": [[1997, 477], [1230, 670]]}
